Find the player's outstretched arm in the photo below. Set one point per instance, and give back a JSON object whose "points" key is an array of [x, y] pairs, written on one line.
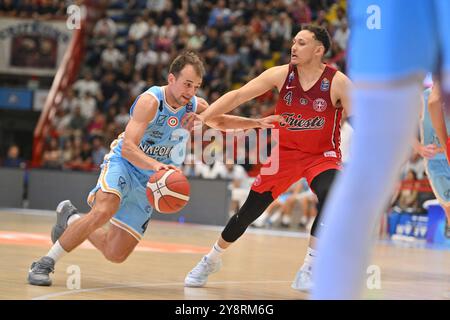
{"points": [[144, 111], [264, 82], [224, 122]]}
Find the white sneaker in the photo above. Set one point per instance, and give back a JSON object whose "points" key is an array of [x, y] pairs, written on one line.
{"points": [[199, 275], [303, 280]]}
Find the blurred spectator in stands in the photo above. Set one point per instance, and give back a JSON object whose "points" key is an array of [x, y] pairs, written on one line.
{"points": [[341, 35], [167, 34], [186, 28], [138, 29], [122, 118], [111, 55], [111, 91], [408, 196], [137, 86], [88, 105], [8, 8], [61, 123], [156, 5], [97, 125], [98, 151], [130, 55], [416, 164], [52, 155], [13, 159], [77, 122], [70, 100], [219, 13], [125, 75], [105, 29], [230, 56], [67, 152], [146, 57], [87, 83]]}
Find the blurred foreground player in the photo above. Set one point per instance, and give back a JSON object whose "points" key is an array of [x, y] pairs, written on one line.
{"points": [[387, 67]]}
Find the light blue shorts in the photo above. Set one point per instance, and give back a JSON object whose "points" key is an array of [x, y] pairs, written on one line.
{"points": [[409, 39], [120, 178], [439, 173]]}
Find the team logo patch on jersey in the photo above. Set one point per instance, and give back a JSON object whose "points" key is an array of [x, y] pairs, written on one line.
{"points": [[160, 120], [325, 85], [319, 105], [189, 107], [172, 121], [303, 101]]}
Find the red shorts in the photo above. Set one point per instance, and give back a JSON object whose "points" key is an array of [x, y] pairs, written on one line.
{"points": [[293, 165]]}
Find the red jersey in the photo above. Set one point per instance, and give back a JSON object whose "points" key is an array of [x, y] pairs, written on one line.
{"points": [[312, 121]]}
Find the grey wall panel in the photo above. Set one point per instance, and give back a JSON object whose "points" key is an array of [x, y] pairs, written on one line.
{"points": [[208, 204], [11, 187], [47, 188]]}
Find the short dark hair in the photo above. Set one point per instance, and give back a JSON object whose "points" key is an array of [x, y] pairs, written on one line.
{"points": [[187, 58], [320, 34]]}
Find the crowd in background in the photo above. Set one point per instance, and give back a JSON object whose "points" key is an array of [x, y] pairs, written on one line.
{"points": [[133, 44]]}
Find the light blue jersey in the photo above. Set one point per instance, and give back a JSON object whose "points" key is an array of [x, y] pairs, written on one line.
{"points": [[393, 39], [165, 141], [437, 168]]}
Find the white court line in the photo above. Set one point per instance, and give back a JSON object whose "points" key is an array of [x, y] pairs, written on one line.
{"points": [[71, 292], [276, 233]]}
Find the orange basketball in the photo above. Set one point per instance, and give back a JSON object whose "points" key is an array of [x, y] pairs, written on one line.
{"points": [[168, 191]]}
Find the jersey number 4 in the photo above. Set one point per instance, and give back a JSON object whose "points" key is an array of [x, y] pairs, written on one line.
{"points": [[288, 98]]}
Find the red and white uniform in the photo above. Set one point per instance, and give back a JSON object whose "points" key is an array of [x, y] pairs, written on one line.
{"points": [[309, 140]]}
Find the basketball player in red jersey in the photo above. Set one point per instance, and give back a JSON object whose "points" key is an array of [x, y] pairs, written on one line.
{"points": [[312, 98]]}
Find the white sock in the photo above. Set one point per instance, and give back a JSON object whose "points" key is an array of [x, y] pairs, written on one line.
{"points": [[385, 121], [215, 253], [274, 217], [304, 219], [73, 218], [309, 259], [286, 219], [56, 252]]}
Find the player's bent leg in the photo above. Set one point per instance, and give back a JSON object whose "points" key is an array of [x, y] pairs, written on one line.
{"points": [[106, 205], [119, 244], [253, 207]]}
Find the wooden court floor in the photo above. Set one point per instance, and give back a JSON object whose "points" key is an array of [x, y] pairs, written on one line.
{"points": [[261, 265]]}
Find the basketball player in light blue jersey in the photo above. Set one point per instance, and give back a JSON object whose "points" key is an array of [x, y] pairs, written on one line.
{"points": [[436, 163], [393, 44], [153, 140]]}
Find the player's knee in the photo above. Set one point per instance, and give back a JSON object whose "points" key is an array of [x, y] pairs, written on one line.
{"points": [[112, 255]]}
